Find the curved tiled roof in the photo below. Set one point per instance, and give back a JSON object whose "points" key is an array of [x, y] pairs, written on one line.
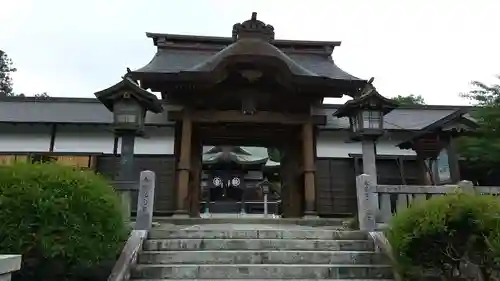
{"points": [[177, 59]]}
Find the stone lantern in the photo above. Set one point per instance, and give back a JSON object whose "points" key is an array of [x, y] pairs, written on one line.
{"points": [[265, 186], [129, 103], [366, 113], [366, 117]]}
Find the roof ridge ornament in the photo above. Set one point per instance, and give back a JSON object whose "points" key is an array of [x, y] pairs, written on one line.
{"points": [[253, 28], [368, 88]]}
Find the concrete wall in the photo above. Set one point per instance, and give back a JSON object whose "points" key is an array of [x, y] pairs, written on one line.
{"points": [[336, 144], [80, 139], [158, 141], [24, 138]]}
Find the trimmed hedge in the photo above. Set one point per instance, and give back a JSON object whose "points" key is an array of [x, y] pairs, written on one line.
{"points": [[59, 218], [442, 233]]}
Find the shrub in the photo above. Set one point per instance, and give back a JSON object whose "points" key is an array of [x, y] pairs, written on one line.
{"points": [[58, 218], [444, 232]]}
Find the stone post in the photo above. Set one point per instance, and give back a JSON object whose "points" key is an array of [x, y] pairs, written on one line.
{"points": [[367, 206], [9, 264], [467, 186], [368, 148], [126, 181], [145, 202]]}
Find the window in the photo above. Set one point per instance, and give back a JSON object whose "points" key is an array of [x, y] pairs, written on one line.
{"points": [[371, 120], [443, 167]]}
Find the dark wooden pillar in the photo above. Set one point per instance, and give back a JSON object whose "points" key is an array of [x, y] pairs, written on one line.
{"points": [[309, 168], [428, 148], [184, 167], [423, 172], [453, 160], [177, 152], [195, 181], [291, 184]]}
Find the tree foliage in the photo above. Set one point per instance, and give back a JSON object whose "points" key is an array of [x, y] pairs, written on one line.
{"points": [[6, 68], [409, 100], [6, 85], [60, 219], [483, 148], [452, 229]]}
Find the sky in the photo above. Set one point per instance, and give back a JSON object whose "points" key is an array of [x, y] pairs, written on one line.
{"points": [[433, 48]]}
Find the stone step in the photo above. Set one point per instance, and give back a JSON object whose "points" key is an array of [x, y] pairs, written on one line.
{"points": [[257, 244], [315, 234], [316, 222], [261, 257], [262, 271], [263, 279]]}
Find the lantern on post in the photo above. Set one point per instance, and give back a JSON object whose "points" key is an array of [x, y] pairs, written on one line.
{"points": [[366, 113], [129, 103], [265, 185], [366, 117]]}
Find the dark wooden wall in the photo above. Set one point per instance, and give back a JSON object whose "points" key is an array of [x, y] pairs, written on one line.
{"points": [[164, 168], [336, 181], [335, 186]]}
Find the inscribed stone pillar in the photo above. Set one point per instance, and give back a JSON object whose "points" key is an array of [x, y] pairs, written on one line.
{"points": [[183, 168], [145, 201], [309, 167]]}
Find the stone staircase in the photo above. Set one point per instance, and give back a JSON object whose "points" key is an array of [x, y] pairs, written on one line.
{"points": [[253, 252]]}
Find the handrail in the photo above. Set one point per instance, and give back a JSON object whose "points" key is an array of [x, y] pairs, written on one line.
{"points": [[128, 256], [378, 203], [383, 246]]}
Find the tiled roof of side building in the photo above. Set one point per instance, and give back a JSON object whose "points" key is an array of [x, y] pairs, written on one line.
{"points": [[91, 111]]}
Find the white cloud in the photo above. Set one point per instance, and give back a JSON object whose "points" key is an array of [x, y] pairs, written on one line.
{"points": [[431, 48]]}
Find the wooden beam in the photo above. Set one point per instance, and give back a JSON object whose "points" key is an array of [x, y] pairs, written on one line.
{"points": [[235, 116]]}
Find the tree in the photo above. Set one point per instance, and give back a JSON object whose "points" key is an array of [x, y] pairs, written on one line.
{"points": [[482, 151], [6, 85], [6, 68], [410, 100]]}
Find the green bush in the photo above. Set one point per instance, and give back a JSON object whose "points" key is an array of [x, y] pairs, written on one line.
{"points": [[60, 219], [442, 233]]}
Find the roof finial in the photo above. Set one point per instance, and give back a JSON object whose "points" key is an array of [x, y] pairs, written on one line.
{"points": [[253, 28]]}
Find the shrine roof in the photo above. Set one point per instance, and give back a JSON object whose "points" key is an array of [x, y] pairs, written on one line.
{"points": [[252, 42], [168, 39], [238, 154], [173, 60]]}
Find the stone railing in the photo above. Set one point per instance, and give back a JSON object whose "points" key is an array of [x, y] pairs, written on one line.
{"points": [[8, 265], [378, 203], [143, 223]]}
